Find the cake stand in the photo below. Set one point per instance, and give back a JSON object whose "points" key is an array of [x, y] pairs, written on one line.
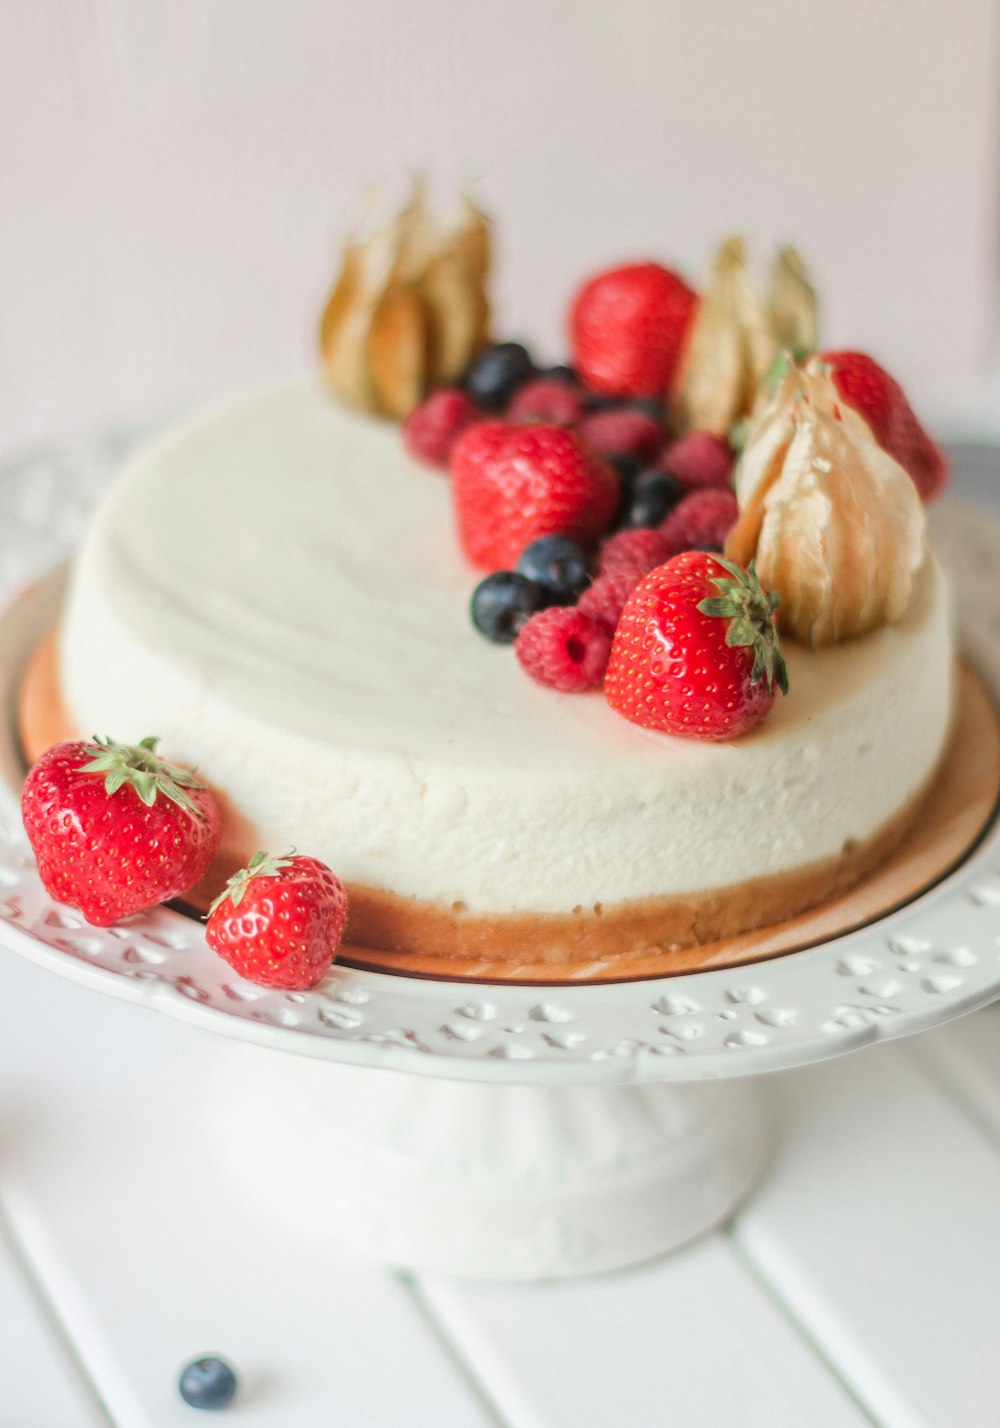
{"points": [[515, 1131]]}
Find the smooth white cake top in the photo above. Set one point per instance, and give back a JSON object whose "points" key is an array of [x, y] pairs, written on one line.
{"points": [[276, 589]]}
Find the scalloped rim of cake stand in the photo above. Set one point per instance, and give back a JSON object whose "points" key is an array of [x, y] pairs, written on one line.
{"points": [[931, 960]]}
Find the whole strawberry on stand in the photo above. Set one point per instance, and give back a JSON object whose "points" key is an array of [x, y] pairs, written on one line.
{"points": [[116, 830]]}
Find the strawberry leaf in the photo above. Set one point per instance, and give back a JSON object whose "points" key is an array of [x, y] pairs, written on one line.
{"points": [[749, 609]]}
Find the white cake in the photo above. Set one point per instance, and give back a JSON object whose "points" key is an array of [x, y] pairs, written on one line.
{"points": [[275, 589]]}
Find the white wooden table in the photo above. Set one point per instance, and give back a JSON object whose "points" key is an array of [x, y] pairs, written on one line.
{"points": [[860, 1285]]}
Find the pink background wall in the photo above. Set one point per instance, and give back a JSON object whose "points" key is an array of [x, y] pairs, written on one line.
{"points": [[174, 178]]}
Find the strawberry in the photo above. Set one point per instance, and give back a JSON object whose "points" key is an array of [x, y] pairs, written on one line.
{"points": [[627, 328], [696, 652], [879, 398], [512, 484], [115, 829], [279, 921]]}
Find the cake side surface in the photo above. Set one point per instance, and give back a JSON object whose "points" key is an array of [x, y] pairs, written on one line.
{"points": [[274, 589]]}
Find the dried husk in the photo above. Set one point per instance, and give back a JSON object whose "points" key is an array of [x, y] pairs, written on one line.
{"points": [[835, 525], [735, 337], [409, 309]]}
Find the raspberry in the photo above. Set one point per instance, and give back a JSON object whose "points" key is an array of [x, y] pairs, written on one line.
{"points": [[605, 599], [432, 428], [546, 399], [512, 484], [622, 433], [635, 551], [701, 520], [700, 459], [627, 327], [562, 648]]}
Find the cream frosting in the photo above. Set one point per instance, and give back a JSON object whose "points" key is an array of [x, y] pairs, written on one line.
{"points": [[274, 588]]}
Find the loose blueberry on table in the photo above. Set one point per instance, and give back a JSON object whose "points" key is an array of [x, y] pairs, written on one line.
{"points": [[208, 1383]]}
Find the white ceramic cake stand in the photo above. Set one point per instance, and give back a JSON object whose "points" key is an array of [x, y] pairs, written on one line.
{"points": [[518, 1132]]}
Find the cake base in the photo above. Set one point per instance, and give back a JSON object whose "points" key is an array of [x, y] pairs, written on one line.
{"points": [[657, 937], [918, 848], [490, 1181]]}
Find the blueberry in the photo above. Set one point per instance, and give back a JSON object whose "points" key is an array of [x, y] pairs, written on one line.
{"points": [[649, 406], [627, 469], [654, 495], [503, 602], [207, 1383], [559, 565], [496, 374], [562, 373], [603, 402]]}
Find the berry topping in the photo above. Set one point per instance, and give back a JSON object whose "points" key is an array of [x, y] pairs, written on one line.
{"points": [[496, 374], [502, 602], [701, 519], [546, 399], [654, 495], [208, 1382], [279, 921], [559, 565], [627, 328], [512, 484], [622, 431], [115, 829], [431, 429], [605, 600], [696, 652], [699, 459], [879, 398], [634, 552], [564, 649]]}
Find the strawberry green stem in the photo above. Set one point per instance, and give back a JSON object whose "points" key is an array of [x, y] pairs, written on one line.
{"points": [[138, 766]]}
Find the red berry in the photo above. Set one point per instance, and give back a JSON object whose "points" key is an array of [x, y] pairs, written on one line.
{"points": [[703, 518], [432, 428], [699, 459], [633, 551], [622, 433], [115, 829], [513, 484], [627, 329], [672, 667], [546, 399], [879, 398], [279, 921], [605, 600], [564, 649]]}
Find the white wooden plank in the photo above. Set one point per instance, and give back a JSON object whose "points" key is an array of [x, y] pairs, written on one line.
{"points": [[151, 1259], [691, 1340], [39, 1384], [879, 1228], [964, 1056]]}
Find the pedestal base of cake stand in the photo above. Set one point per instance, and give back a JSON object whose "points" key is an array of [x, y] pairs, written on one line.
{"points": [[491, 1181]]}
